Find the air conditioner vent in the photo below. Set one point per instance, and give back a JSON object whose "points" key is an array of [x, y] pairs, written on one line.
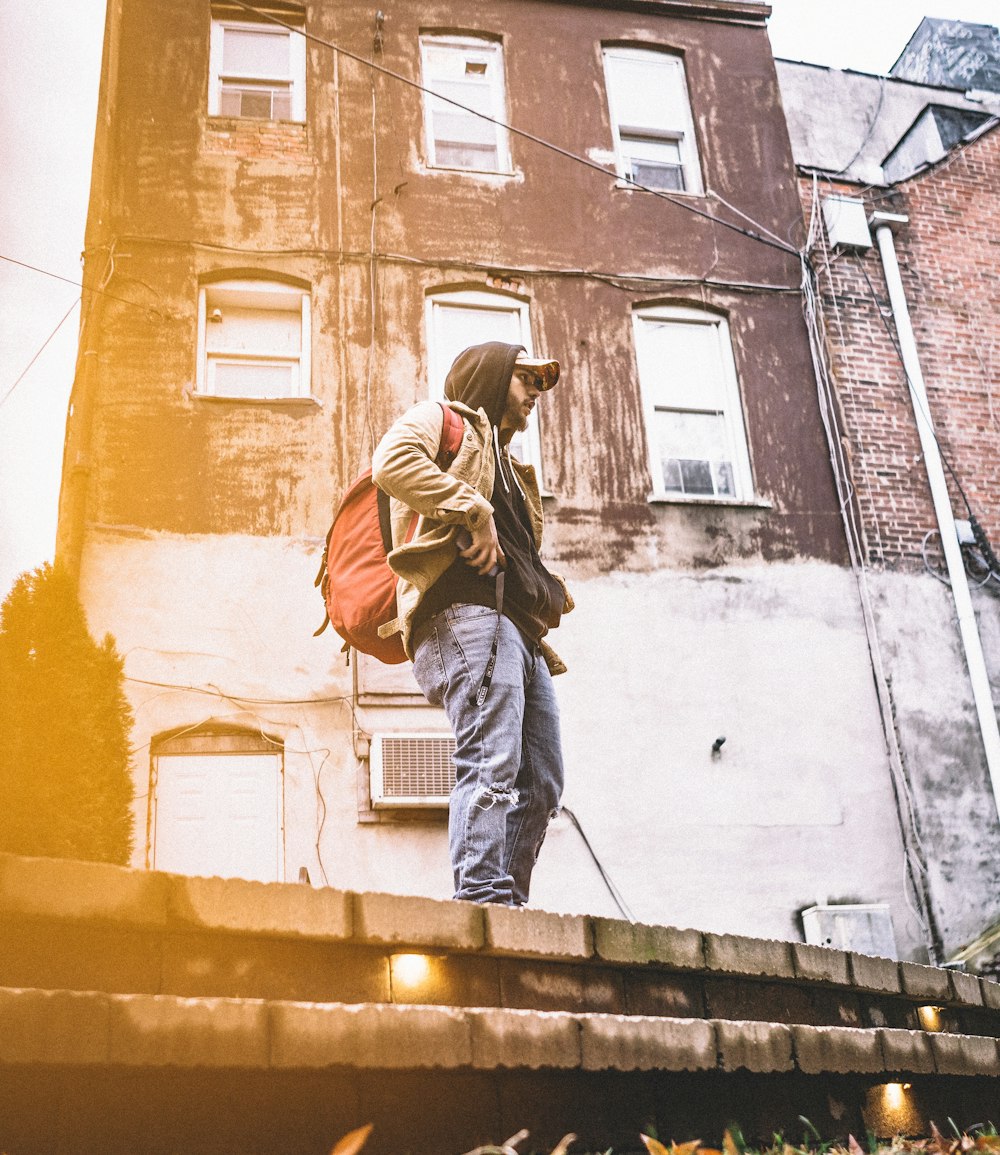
{"points": [[862, 927], [411, 770]]}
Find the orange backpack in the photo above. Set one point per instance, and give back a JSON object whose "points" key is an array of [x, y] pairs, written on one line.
{"points": [[354, 577]]}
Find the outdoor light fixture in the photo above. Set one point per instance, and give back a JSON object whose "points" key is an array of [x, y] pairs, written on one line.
{"points": [[930, 1018], [893, 1109], [409, 970]]}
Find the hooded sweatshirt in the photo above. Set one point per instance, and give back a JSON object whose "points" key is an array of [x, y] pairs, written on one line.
{"points": [[533, 599]]}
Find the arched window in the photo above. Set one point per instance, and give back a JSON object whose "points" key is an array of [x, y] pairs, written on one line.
{"points": [[694, 417], [467, 69], [458, 319], [253, 340], [651, 119]]}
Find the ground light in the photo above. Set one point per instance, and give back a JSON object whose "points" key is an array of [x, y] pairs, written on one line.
{"points": [[411, 975], [893, 1109], [930, 1018]]}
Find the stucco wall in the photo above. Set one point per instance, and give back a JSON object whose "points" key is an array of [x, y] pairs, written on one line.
{"points": [[797, 809]]}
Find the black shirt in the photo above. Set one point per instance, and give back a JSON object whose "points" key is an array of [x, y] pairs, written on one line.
{"points": [[532, 599]]}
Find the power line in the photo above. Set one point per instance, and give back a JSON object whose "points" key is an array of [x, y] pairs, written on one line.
{"points": [[41, 349], [77, 284], [565, 152]]}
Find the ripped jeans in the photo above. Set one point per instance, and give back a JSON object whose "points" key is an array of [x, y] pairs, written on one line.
{"points": [[508, 756]]}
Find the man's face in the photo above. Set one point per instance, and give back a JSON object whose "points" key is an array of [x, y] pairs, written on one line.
{"points": [[524, 391]]}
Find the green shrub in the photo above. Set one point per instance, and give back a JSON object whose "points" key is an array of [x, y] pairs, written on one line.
{"points": [[65, 786]]}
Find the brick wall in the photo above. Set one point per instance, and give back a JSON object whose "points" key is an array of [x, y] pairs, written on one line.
{"points": [[949, 254]]}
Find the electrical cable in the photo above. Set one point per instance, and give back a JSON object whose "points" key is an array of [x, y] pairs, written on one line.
{"points": [[41, 349], [914, 858], [612, 278], [523, 133], [612, 889], [79, 284]]}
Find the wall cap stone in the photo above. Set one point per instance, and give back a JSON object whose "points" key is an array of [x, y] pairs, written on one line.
{"points": [[537, 933], [737, 954], [405, 920], [759, 1047], [623, 942], [837, 1050]]}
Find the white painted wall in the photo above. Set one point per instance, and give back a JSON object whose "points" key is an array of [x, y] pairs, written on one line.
{"points": [[797, 809]]}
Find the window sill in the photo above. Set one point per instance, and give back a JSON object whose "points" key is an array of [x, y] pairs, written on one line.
{"points": [[490, 173], [692, 499], [216, 120], [285, 402], [671, 192]]}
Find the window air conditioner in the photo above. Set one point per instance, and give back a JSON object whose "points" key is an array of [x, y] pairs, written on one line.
{"points": [[411, 770], [862, 927]]}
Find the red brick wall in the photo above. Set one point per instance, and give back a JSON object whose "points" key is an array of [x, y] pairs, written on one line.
{"points": [[949, 253]]}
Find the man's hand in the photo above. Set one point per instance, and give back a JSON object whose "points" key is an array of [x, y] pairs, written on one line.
{"points": [[481, 548]]}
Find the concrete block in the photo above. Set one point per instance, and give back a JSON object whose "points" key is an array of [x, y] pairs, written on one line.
{"points": [[739, 998], [164, 1031], [452, 980], [513, 930], [908, 1052], [555, 986], [242, 966], [284, 909], [402, 920], [738, 955], [991, 993], [965, 1054], [55, 888], [653, 992], [625, 942], [820, 964], [632, 1043], [966, 989], [531, 1039], [53, 1027], [922, 982], [760, 1047], [81, 956], [305, 1035], [871, 973], [838, 1050]]}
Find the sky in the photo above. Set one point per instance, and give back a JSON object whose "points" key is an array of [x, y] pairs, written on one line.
{"points": [[48, 103]]}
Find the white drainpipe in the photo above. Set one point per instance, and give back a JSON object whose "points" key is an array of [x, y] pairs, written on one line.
{"points": [[883, 224]]}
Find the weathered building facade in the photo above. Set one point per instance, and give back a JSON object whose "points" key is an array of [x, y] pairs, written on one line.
{"points": [[877, 167], [291, 242]]}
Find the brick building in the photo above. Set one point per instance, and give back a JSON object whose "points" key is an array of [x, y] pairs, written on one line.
{"points": [[890, 160], [292, 245]]}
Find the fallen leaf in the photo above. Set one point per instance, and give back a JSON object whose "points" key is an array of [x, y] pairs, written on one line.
{"points": [[353, 1141]]}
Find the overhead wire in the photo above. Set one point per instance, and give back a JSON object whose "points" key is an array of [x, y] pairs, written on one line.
{"points": [[41, 349], [753, 234]]}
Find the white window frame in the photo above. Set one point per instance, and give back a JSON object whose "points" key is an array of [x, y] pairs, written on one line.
{"points": [[682, 134], [439, 361], [296, 79], [470, 44], [731, 410], [251, 294]]}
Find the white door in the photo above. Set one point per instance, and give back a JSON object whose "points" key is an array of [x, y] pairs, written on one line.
{"points": [[219, 814]]}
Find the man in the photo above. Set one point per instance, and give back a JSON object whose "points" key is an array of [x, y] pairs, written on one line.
{"points": [[475, 602]]}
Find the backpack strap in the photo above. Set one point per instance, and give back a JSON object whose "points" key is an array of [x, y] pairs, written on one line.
{"points": [[452, 432]]}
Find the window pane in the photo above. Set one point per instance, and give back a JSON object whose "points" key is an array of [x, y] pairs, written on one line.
{"points": [[250, 53], [648, 92], [654, 163], [680, 364], [693, 453], [262, 103], [254, 379], [238, 328]]}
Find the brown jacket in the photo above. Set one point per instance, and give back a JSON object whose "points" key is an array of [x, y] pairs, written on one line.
{"points": [[404, 467]]}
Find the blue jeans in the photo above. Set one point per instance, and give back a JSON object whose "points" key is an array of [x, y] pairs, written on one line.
{"points": [[508, 756]]}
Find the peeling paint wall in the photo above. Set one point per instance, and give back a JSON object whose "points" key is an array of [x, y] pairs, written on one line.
{"points": [[204, 518]]}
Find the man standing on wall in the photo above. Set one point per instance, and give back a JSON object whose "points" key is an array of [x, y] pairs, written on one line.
{"points": [[475, 602]]}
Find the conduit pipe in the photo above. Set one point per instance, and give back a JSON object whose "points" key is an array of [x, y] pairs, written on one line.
{"points": [[883, 223]]}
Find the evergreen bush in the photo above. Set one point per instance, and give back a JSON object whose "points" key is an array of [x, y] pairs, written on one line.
{"points": [[65, 786]]}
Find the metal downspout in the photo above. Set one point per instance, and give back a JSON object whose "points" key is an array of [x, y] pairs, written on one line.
{"points": [[968, 628]]}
